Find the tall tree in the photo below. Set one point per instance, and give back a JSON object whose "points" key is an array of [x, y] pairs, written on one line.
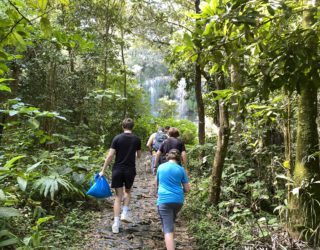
{"points": [[306, 174], [198, 82]]}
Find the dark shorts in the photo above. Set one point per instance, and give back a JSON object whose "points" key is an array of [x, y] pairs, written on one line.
{"points": [[122, 177], [168, 214]]}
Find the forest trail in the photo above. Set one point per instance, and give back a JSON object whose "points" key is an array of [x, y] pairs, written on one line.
{"points": [[145, 231]]}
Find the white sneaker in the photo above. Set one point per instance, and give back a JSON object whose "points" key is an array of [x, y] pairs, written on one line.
{"points": [[126, 218], [115, 228]]}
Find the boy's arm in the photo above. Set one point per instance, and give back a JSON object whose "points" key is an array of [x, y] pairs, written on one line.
{"points": [[108, 160], [156, 161], [150, 142]]}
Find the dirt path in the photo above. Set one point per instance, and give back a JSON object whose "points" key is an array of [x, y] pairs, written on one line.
{"points": [[145, 231]]}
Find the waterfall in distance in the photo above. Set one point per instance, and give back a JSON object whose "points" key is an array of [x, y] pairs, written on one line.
{"points": [[157, 88], [181, 95]]}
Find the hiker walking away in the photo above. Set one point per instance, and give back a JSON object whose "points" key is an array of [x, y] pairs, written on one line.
{"points": [[125, 146], [173, 142], [154, 143], [172, 183]]}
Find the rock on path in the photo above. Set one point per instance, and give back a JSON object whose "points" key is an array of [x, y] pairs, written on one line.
{"points": [[145, 231]]}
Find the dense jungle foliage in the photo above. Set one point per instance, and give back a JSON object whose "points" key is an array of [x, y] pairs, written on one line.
{"points": [[70, 71]]}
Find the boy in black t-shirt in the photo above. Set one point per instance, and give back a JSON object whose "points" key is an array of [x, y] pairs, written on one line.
{"points": [[125, 146]]}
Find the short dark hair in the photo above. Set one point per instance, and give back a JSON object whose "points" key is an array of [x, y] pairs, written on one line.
{"points": [[161, 129], [127, 124], [167, 128], [173, 132], [174, 154]]}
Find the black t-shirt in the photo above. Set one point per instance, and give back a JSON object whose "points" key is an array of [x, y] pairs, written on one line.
{"points": [[126, 146], [170, 143]]}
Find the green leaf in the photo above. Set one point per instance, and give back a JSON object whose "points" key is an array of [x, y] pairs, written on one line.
{"points": [[64, 2], [10, 163], [187, 40], [282, 176], [213, 5], [9, 242], [42, 4], [34, 166], [208, 29], [6, 79], [7, 212], [34, 123], [19, 39], [45, 26], [4, 87], [2, 195], [44, 219], [13, 112], [22, 183], [214, 69]]}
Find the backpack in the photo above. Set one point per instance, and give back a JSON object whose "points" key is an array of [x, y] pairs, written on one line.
{"points": [[159, 139]]}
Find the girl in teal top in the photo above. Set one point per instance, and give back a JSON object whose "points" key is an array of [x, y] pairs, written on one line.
{"points": [[172, 183]]}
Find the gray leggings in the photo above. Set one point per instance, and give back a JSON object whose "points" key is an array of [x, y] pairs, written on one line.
{"points": [[168, 214]]}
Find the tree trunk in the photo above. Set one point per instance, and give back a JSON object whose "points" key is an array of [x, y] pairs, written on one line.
{"points": [[50, 104], [2, 123], [236, 80], [124, 65], [200, 105], [222, 146], [198, 88], [305, 212]]}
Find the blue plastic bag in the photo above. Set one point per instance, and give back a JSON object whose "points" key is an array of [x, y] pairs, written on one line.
{"points": [[101, 188]]}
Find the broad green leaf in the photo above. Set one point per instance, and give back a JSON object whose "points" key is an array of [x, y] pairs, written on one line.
{"points": [[27, 240], [19, 39], [2, 195], [10, 163], [34, 166], [6, 79], [44, 219], [208, 28], [34, 123], [22, 183], [42, 4], [187, 40], [7, 212], [13, 112], [4, 87], [213, 5], [45, 26]]}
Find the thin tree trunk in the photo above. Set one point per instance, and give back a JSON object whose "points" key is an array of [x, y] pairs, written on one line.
{"points": [[200, 105], [2, 123], [287, 146], [50, 105], [198, 89], [236, 82], [124, 65], [222, 147]]}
